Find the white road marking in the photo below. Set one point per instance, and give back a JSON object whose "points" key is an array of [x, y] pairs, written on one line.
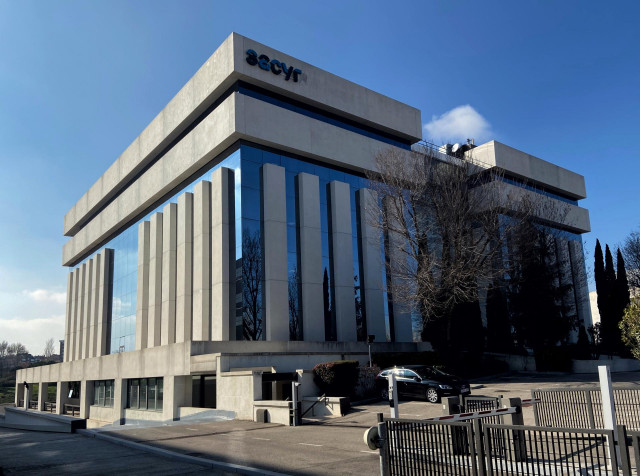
{"points": [[370, 452], [308, 444], [192, 429], [263, 439]]}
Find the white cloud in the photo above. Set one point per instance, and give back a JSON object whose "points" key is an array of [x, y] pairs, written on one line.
{"points": [[458, 125], [33, 333], [46, 295]]}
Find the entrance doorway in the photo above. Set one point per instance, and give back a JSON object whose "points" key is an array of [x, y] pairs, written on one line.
{"points": [[203, 391]]}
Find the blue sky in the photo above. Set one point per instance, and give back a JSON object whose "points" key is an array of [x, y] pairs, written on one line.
{"points": [[80, 80]]}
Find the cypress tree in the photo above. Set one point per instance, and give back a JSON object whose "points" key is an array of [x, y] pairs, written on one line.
{"points": [[622, 284], [598, 272]]}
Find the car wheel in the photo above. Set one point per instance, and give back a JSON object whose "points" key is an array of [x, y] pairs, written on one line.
{"points": [[432, 395], [384, 393]]}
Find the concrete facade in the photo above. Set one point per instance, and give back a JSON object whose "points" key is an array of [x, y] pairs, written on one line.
{"points": [[246, 155]]}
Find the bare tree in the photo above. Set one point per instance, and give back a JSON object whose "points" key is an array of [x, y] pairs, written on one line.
{"points": [[251, 285], [448, 224], [49, 349], [631, 254]]}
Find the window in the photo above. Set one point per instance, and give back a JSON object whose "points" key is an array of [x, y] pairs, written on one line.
{"points": [[145, 394], [103, 393]]}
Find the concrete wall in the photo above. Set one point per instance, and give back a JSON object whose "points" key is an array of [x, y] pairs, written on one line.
{"points": [[236, 391]]}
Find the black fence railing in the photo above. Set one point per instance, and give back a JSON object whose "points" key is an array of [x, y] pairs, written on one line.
{"points": [[477, 448], [473, 403], [582, 407], [424, 447]]}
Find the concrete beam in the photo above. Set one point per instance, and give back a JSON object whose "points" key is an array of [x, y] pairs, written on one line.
{"points": [[340, 238], [310, 250], [93, 305], [223, 255], [184, 271], [169, 263], [276, 278], [86, 318], [202, 261], [80, 316], [371, 288], [155, 281], [68, 316]]}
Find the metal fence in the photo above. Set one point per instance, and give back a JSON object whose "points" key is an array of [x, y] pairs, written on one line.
{"points": [[477, 404], [582, 407], [418, 447]]}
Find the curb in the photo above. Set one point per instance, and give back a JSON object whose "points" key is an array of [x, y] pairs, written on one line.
{"points": [[208, 463]]}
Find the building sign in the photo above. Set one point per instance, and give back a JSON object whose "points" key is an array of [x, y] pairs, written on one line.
{"points": [[276, 67]]}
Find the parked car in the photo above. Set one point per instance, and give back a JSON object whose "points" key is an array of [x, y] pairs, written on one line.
{"points": [[421, 381]]}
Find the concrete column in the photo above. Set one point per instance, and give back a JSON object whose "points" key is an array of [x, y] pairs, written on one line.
{"points": [[28, 391], [93, 306], [119, 399], [402, 327], [175, 389], [68, 316], [371, 290], [340, 240], [184, 269], [70, 347], [223, 255], [86, 397], [105, 277], [43, 388], [86, 319], [310, 256], [62, 392], [202, 261], [276, 278], [169, 262], [142, 293], [80, 314], [155, 280]]}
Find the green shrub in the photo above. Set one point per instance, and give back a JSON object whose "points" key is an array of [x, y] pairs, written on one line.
{"points": [[553, 359], [338, 378]]}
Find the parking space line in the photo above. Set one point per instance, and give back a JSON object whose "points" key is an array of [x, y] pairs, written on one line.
{"points": [[308, 444], [263, 439], [370, 452]]}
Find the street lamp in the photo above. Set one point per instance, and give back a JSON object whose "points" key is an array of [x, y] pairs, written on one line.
{"points": [[370, 339]]}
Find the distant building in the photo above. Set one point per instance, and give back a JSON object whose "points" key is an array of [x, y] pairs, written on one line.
{"points": [[225, 249]]}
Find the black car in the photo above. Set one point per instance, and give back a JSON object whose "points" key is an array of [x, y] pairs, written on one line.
{"points": [[421, 381]]}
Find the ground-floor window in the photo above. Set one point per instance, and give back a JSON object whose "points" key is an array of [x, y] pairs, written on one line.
{"points": [[103, 393], [145, 393]]}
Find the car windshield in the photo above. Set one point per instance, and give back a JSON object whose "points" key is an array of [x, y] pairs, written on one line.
{"points": [[426, 372]]}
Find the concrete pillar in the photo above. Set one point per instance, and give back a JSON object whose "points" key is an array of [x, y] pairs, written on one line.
{"points": [[340, 241], [62, 396], [104, 298], [202, 261], [119, 400], [70, 347], [310, 256], [80, 314], [184, 269], [93, 305], [169, 262], [176, 389], [67, 318], [402, 327], [155, 280], [276, 277], [142, 294], [223, 255], [43, 389], [86, 397], [371, 289], [86, 318], [28, 392]]}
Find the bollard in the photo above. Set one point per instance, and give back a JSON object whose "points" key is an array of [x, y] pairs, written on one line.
{"points": [[519, 441]]}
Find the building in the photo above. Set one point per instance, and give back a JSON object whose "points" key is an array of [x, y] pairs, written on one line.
{"points": [[224, 252]]}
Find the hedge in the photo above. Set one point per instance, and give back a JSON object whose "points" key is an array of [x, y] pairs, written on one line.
{"points": [[338, 378]]}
